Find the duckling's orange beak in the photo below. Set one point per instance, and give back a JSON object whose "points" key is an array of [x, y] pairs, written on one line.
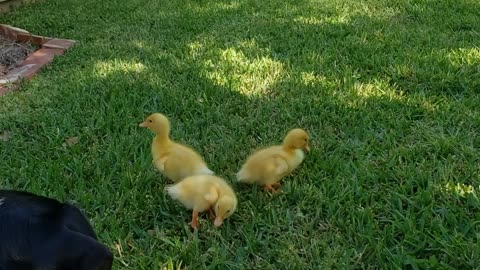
{"points": [[306, 148], [143, 124], [218, 221]]}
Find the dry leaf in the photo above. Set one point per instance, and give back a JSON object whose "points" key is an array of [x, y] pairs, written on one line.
{"points": [[70, 142], [5, 136], [119, 249]]}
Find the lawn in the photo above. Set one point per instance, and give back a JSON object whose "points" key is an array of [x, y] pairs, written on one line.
{"points": [[388, 90]]}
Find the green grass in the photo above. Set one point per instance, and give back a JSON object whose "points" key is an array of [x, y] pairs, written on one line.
{"points": [[388, 89]]}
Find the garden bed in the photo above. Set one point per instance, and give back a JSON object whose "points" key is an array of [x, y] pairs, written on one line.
{"points": [[12, 54], [23, 54]]}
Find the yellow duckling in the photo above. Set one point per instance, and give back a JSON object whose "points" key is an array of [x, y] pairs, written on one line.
{"points": [[173, 160], [204, 192], [268, 166]]}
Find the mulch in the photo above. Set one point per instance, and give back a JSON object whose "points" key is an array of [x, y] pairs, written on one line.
{"points": [[12, 54]]}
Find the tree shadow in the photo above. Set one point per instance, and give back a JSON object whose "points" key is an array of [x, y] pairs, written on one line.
{"points": [[374, 83]]}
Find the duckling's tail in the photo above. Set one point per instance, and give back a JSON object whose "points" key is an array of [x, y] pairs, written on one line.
{"points": [[172, 190], [205, 170], [243, 176]]}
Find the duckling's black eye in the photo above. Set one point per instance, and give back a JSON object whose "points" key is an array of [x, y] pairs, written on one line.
{"points": [[305, 139], [150, 121]]}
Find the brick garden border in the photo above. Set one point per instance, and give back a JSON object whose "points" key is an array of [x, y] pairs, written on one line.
{"points": [[48, 49]]}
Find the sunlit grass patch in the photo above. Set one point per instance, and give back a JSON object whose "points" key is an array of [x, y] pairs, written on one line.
{"points": [[106, 68], [232, 69], [387, 89]]}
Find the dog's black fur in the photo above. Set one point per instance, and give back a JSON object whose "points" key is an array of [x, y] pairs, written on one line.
{"points": [[39, 233]]}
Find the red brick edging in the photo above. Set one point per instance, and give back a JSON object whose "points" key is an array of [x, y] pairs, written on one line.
{"points": [[49, 48]]}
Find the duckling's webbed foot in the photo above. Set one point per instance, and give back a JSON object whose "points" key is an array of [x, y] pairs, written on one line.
{"points": [[211, 214], [276, 185], [269, 188]]}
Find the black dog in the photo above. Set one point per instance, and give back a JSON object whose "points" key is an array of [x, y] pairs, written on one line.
{"points": [[38, 233]]}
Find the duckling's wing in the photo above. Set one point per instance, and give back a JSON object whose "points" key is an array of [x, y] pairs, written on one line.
{"points": [[281, 165], [160, 163], [211, 196]]}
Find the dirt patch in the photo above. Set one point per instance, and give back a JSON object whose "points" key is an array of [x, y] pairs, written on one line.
{"points": [[12, 54]]}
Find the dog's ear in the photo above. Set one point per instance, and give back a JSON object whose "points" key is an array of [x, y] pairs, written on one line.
{"points": [[92, 255], [74, 220], [106, 264], [99, 259], [74, 251]]}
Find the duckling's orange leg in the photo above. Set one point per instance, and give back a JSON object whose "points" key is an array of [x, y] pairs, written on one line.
{"points": [[194, 222]]}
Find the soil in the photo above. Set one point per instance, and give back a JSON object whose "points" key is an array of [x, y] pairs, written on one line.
{"points": [[12, 54]]}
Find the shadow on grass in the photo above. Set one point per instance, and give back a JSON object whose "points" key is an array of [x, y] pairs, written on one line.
{"points": [[383, 88]]}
